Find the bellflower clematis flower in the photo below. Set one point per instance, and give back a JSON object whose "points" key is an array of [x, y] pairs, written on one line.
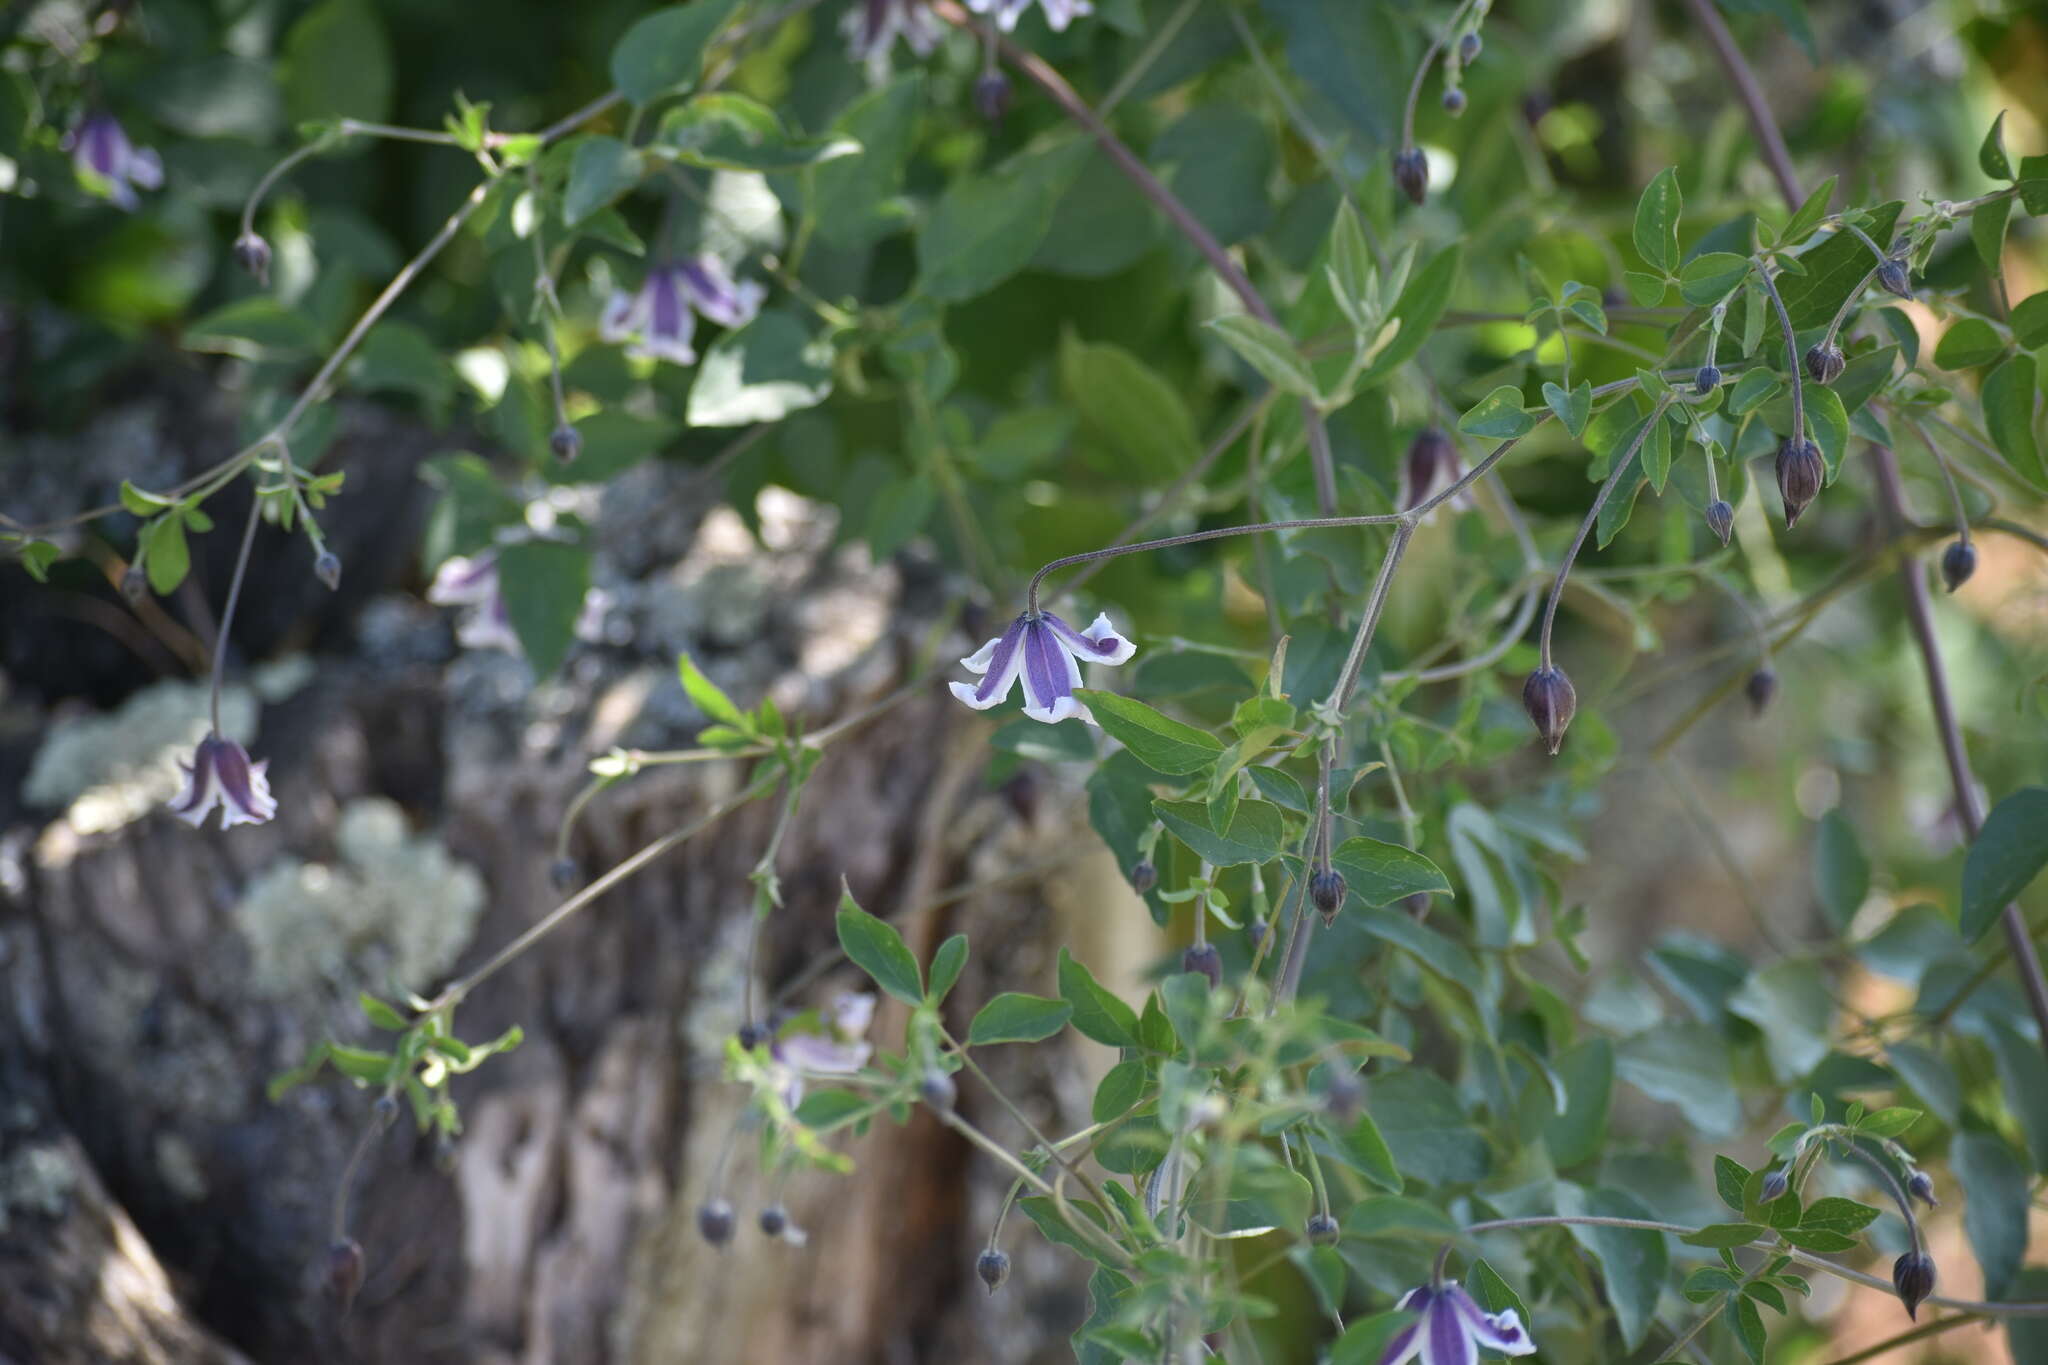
{"points": [[1058, 13], [873, 26], [1045, 652], [220, 774], [657, 319], [839, 1051], [1453, 1329], [1432, 463], [472, 582], [100, 148]]}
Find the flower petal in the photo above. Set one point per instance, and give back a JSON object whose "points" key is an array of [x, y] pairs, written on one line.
{"points": [[146, 168], [1502, 1331], [1404, 1346], [1050, 675], [623, 317], [202, 789], [1098, 644], [852, 1013], [245, 790], [816, 1054], [714, 294], [462, 581], [1446, 1340], [999, 662]]}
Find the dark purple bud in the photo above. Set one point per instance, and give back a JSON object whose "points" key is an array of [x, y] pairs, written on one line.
{"points": [[1761, 687], [938, 1091], [252, 253], [1921, 1186], [344, 1270], [1431, 457], [1913, 1277], [1550, 701], [1894, 278], [1468, 48], [992, 95], [1824, 362], [1203, 958], [1800, 476], [1958, 562], [993, 1267], [1776, 1182], [1411, 173], [774, 1220], [1323, 1230], [1344, 1095], [1255, 933], [134, 584], [1143, 876], [1706, 380], [566, 442], [750, 1036], [384, 1110], [1326, 888], [715, 1221], [1721, 519], [327, 568], [564, 874], [1454, 102]]}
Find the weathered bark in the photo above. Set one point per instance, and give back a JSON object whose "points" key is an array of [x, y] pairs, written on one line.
{"points": [[561, 1226]]}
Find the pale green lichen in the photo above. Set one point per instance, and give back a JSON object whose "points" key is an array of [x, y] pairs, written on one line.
{"points": [[393, 911], [37, 1181]]}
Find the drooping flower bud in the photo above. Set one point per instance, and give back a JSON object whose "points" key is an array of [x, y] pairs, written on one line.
{"points": [[1143, 876], [715, 1221], [1468, 48], [992, 1267], [1800, 476], [566, 442], [1326, 888], [1706, 379], [344, 1270], [1721, 519], [134, 584], [1203, 958], [1913, 1277], [1921, 1186], [252, 253], [1323, 1230], [1411, 173], [563, 874], [1255, 933], [1958, 562], [750, 1035], [1776, 1182], [1894, 278], [938, 1091], [1761, 687], [1550, 701], [774, 1220], [1344, 1094], [327, 568], [384, 1111], [1454, 101], [992, 95], [1824, 362]]}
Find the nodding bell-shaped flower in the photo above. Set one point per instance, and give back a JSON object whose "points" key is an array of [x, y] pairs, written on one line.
{"points": [[840, 1050], [1432, 463], [873, 26], [1453, 1329], [113, 165], [657, 319], [1058, 13], [220, 774], [1045, 652]]}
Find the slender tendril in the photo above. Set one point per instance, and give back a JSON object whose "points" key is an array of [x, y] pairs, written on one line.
{"points": [[227, 615]]}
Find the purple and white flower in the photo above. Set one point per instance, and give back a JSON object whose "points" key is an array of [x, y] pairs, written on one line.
{"points": [[658, 319], [873, 26], [1058, 13], [1045, 652], [102, 153], [220, 774], [840, 1050], [471, 582], [1453, 1329]]}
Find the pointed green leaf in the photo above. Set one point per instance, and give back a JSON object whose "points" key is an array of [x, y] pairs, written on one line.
{"points": [[1657, 213], [1160, 742], [876, 948], [2009, 853], [1014, 1017], [1498, 416], [1991, 157]]}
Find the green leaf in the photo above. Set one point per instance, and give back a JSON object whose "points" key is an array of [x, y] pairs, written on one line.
{"points": [[1495, 1295], [1969, 343], [1418, 310], [857, 199], [1686, 1065], [1709, 278], [1350, 255], [544, 583], [664, 52], [165, 556], [2023, 1076], [876, 948], [1646, 290], [37, 556], [1098, 1013], [1268, 350], [601, 170], [1634, 1263], [1426, 1129], [2008, 398], [1655, 459], [1991, 157], [1889, 1123], [1724, 1235], [255, 328], [2030, 321], [1121, 1089], [1792, 1005], [1835, 1214], [1253, 836], [380, 1014], [1657, 213], [733, 132], [1841, 874], [1379, 873], [1014, 1017], [985, 228], [1753, 390], [1141, 420], [763, 372], [1159, 742], [947, 963], [1801, 225], [2009, 853], [335, 62], [1574, 409], [1749, 1323], [1498, 416], [1730, 1176], [1579, 1134], [1987, 233], [1370, 1154], [1996, 1197]]}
